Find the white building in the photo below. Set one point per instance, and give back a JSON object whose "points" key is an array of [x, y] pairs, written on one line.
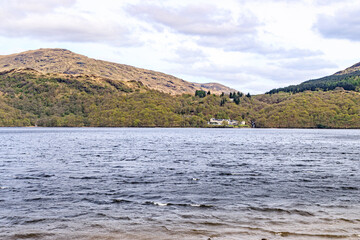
{"points": [[214, 121]]}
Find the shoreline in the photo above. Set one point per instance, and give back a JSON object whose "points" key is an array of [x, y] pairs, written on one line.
{"points": [[213, 127]]}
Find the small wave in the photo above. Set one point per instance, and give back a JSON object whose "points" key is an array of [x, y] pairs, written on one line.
{"points": [[118, 166], [98, 202], [140, 182], [101, 215], [307, 235], [44, 175], [130, 159], [213, 224], [325, 236], [355, 221], [1, 188], [34, 177], [35, 221], [160, 204], [229, 174], [89, 177], [97, 225], [85, 178], [121, 218], [350, 188], [119, 200], [180, 204], [26, 178], [77, 215], [35, 199], [32, 235], [280, 210]]}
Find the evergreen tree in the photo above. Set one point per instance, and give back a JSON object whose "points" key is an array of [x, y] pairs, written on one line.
{"points": [[222, 102], [200, 93], [237, 100]]}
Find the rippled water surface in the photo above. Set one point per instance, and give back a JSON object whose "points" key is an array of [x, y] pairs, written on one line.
{"points": [[110, 183]]}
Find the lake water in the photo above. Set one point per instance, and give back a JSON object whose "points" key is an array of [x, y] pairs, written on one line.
{"points": [[128, 183]]}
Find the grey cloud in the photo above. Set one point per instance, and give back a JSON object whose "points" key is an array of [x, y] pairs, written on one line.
{"points": [[58, 28], [329, 2], [235, 77], [344, 24], [43, 22], [309, 64], [200, 20], [316, 2], [185, 55], [252, 45], [215, 28], [257, 79], [19, 8]]}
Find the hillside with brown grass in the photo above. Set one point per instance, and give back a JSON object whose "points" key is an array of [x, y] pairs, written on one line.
{"points": [[66, 62]]}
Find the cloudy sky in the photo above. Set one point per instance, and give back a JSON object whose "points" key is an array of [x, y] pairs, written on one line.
{"points": [[250, 45]]}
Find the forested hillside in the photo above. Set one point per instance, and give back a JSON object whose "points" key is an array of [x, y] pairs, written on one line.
{"points": [[310, 109], [30, 98], [348, 81]]}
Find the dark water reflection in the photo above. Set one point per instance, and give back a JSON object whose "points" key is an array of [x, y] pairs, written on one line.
{"points": [[109, 183]]}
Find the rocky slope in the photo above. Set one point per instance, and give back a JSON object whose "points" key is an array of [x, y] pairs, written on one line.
{"points": [[66, 62]]}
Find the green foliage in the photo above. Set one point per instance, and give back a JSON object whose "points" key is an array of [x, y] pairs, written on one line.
{"points": [[223, 101], [350, 81], [28, 99], [200, 93], [332, 109], [237, 100], [236, 97]]}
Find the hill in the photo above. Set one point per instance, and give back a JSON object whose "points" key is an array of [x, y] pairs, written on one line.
{"points": [[29, 98], [66, 62], [309, 109], [348, 79]]}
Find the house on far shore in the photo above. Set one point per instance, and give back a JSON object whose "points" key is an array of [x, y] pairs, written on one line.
{"points": [[214, 121]]}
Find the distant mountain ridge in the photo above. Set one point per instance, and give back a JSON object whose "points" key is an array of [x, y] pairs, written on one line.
{"points": [[348, 79], [66, 62]]}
